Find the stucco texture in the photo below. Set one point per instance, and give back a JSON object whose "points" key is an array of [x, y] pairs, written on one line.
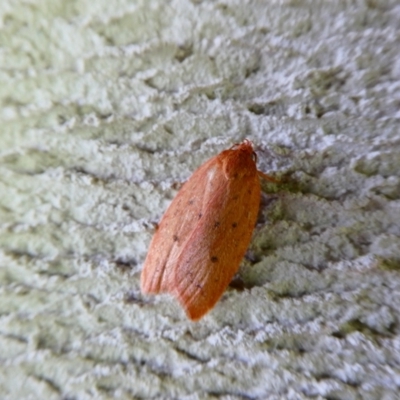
{"points": [[106, 109]]}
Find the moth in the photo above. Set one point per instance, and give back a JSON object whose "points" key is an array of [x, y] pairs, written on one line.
{"points": [[205, 232]]}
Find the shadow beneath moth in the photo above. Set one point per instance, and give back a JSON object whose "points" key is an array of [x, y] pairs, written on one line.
{"points": [[205, 232]]}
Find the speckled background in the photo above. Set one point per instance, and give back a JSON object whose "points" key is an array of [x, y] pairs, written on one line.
{"points": [[107, 106]]}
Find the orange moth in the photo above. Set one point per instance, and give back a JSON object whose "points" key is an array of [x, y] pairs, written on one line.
{"points": [[205, 232]]}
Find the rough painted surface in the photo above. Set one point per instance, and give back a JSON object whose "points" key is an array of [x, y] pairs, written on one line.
{"points": [[107, 106]]}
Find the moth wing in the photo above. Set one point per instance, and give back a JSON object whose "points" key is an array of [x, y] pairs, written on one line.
{"points": [[174, 231], [217, 244]]}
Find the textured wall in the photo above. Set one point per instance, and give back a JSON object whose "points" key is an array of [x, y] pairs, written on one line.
{"points": [[107, 106]]}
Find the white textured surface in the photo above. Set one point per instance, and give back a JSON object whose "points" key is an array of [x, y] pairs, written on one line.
{"points": [[107, 105]]}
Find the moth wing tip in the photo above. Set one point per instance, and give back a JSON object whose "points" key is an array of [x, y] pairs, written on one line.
{"points": [[192, 310], [148, 287], [194, 314]]}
